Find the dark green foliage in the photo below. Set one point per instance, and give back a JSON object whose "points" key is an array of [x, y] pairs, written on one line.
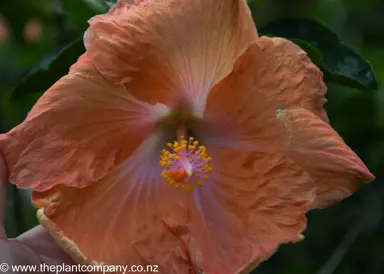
{"points": [[78, 12], [43, 78]]}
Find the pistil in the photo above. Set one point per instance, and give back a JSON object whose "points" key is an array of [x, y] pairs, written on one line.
{"points": [[186, 164]]}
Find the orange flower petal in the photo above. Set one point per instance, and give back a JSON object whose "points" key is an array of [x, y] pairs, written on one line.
{"points": [[254, 202], [239, 111], [317, 148], [236, 219], [273, 101], [129, 217], [289, 78], [275, 74], [80, 129], [167, 51]]}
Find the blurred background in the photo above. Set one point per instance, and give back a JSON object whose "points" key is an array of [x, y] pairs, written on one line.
{"points": [[347, 238]]}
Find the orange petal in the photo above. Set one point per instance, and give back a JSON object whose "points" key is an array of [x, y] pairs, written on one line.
{"points": [[254, 202], [131, 217], [317, 148], [166, 51], [239, 111], [273, 100], [80, 129], [288, 77], [273, 74]]}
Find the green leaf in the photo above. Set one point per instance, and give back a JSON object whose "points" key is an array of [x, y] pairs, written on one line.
{"points": [[78, 12], [43, 78], [340, 63], [106, 3], [101, 5]]}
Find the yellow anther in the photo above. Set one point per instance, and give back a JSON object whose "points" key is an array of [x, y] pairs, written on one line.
{"points": [[190, 188], [177, 171]]}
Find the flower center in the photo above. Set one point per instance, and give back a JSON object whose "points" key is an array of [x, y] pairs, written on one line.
{"points": [[186, 164]]}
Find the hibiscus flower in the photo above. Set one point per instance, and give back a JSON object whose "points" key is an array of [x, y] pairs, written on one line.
{"points": [[182, 139]]}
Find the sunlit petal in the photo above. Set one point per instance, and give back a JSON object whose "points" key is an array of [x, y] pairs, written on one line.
{"points": [[167, 51]]}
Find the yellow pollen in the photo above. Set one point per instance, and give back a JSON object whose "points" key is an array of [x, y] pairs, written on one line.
{"points": [[191, 147], [185, 163]]}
